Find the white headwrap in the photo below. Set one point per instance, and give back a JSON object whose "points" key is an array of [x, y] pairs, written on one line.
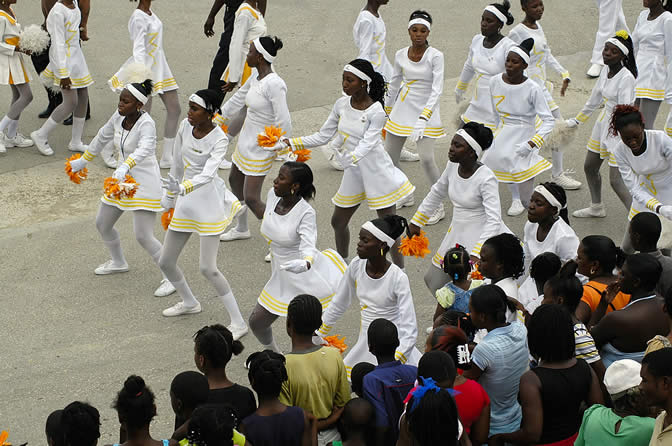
{"points": [[521, 52], [618, 44], [357, 72], [377, 233], [196, 99], [496, 12], [136, 93], [541, 189], [471, 141], [262, 50], [420, 21]]}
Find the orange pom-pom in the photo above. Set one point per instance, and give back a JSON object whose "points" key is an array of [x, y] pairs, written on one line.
{"points": [[76, 177], [475, 273], [383, 133], [166, 217], [302, 155], [336, 342], [225, 128], [270, 137], [112, 188], [416, 246]]}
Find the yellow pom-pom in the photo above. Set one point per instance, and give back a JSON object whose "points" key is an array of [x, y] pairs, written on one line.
{"points": [[302, 155], [336, 342], [112, 188], [166, 217], [416, 246], [623, 34], [75, 177], [270, 137]]}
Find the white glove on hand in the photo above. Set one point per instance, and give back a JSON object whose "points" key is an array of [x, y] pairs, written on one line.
{"points": [[120, 172], [666, 211], [167, 202], [317, 340], [280, 145], [296, 266], [78, 164], [172, 185], [419, 130], [523, 149], [572, 123], [345, 159], [459, 96]]}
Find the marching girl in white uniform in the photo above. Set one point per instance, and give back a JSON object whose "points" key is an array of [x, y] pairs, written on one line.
{"points": [[369, 33], [67, 70], [13, 73], [133, 134], [146, 30], [540, 58], [412, 101], [203, 205], [514, 157], [616, 85], [474, 193], [382, 290], [487, 56], [652, 42], [265, 96], [369, 172], [297, 266]]}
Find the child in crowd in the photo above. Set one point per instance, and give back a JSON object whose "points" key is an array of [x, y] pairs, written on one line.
{"points": [[54, 428], [359, 371], [213, 425], [187, 391], [80, 423], [455, 294], [136, 410], [357, 424]]}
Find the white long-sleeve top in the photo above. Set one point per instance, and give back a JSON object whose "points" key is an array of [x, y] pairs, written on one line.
{"points": [[248, 25], [540, 56], [483, 63], [146, 33], [388, 297], [63, 27], [369, 33], [560, 240], [619, 89], [652, 42], [9, 31]]}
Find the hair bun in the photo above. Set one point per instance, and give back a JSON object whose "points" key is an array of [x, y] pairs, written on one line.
{"points": [[277, 43], [527, 45], [134, 385]]}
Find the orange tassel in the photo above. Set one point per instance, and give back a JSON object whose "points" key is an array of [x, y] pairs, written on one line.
{"points": [[383, 133], [166, 217], [225, 128], [302, 155], [336, 342], [75, 177], [270, 137], [475, 273], [416, 246], [112, 188]]}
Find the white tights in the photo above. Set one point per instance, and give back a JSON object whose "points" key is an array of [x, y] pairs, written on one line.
{"points": [[173, 110], [394, 144], [522, 191]]}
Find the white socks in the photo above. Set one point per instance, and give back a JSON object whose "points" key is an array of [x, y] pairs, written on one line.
{"points": [[117, 254], [4, 123], [12, 128], [185, 293], [167, 154], [241, 226], [556, 157], [515, 193], [77, 131], [272, 346], [231, 306], [48, 126]]}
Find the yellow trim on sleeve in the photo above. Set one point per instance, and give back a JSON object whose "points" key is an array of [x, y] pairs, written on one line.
{"points": [[88, 156]]}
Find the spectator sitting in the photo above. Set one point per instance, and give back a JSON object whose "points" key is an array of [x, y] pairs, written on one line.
{"points": [[644, 231], [80, 423], [656, 385], [54, 428], [455, 294], [359, 371], [659, 341], [357, 425], [187, 391], [531, 292]]}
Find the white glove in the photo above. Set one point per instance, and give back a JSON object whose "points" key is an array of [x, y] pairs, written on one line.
{"points": [[666, 211], [523, 149], [167, 202], [317, 340], [172, 185], [78, 164], [296, 266], [120, 172], [572, 123], [459, 96], [280, 145], [345, 159], [419, 130]]}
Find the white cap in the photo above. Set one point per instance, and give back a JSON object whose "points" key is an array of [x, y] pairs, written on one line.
{"points": [[621, 376]]}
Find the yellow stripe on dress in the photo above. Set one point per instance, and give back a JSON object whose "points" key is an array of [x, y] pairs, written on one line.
{"points": [[281, 307], [130, 203], [525, 175], [203, 227], [419, 219], [340, 265], [252, 165], [348, 200], [391, 198]]}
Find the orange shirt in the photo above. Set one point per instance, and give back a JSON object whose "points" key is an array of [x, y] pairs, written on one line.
{"points": [[592, 295]]}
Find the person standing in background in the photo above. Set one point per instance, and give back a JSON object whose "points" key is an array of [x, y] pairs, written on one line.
{"points": [[611, 19]]}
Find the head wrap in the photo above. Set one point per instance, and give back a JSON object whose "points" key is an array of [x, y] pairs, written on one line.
{"points": [[196, 99], [377, 233], [420, 21], [492, 9], [136, 93], [618, 44], [357, 72], [552, 200], [521, 52], [471, 141], [263, 51]]}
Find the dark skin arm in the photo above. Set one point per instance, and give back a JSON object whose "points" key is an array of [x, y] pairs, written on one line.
{"points": [[309, 430], [85, 8], [595, 395], [607, 329], [404, 434], [473, 373], [481, 427], [533, 414], [583, 312], [327, 423], [607, 298], [210, 21], [180, 432]]}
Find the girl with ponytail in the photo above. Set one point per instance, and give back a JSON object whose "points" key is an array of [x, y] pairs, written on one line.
{"points": [[136, 409], [382, 290]]}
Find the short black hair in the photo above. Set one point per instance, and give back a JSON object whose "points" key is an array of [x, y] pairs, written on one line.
{"points": [[504, 8], [216, 344], [383, 337], [567, 285], [212, 99], [659, 362], [646, 268], [54, 428], [600, 248], [359, 371], [437, 365], [559, 193], [272, 44], [145, 87], [550, 333], [544, 266], [420, 14], [648, 228], [509, 253], [492, 301], [359, 417], [81, 424], [481, 133], [191, 388], [267, 373], [304, 313], [135, 403]]}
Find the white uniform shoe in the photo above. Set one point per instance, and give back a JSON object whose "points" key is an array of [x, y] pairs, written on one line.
{"points": [[593, 211], [81, 148], [42, 143], [179, 309], [594, 70], [408, 156], [238, 332], [233, 234], [516, 208], [406, 202], [2, 148], [18, 141], [566, 182], [109, 268], [267, 259], [165, 289], [439, 215]]}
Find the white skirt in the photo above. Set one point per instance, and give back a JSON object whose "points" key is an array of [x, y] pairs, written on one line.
{"points": [[162, 77], [651, 77], [601, 142], [13, 70], [148, 195], [251, 159], [480, 108], [405, 114], [79, 71]]}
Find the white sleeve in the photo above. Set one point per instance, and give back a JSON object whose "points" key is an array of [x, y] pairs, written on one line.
{"points": [[277, 95], [407, 323], [373, 135], [341, 300], [103, 137], [667, 29], [363, 34], [242, 24], [395, 83], [211, 167], [177, 169], [307, 231], [137, 27], [553, 63], [467, 70], [515, 35], [593, 102], [5, 48], [567, 246], [437, 195], [146, 144], [493, 212], [237, 102], [437, 85], [56, 28], [544, 113], [626, 90], [328, 130]]}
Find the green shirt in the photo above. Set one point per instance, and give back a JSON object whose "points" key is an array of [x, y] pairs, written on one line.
{"points": [[599, 429]]}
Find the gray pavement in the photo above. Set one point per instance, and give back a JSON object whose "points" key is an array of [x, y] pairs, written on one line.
{"points": [[67, 334]]}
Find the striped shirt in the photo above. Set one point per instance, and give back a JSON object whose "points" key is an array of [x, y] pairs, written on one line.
{"points": [[585, 345]]}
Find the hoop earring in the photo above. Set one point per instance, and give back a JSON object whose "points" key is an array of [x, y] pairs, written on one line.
{"points": [[592, 271]]}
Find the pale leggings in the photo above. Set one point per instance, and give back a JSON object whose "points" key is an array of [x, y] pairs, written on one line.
{"points": [[173, 110], [21, 97], [74, 102], [591, 167], [649, 110], [394, 144], [260, 323], [522, 191]]}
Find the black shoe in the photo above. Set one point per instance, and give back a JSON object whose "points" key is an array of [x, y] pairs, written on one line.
{"points": [[68, 121], [45, 113]]}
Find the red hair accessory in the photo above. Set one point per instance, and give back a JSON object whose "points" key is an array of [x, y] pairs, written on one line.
{"points": [[138, 394]]}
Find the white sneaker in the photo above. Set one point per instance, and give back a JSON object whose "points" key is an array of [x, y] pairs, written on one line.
{"points": [[407, 155], [18, 141], [233, 234], [566, 182], [109, 268], [334, 163], [165, 289], [225, 164], [41, 143], [593, 211], [406, 202], [516, 208], [179, 309], [238, 332], [3, 149], [594, 70], [81, 148], [267, 259], [439, 215]]}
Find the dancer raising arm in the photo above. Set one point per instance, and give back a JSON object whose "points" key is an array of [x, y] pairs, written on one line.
{"points": [[369, 172], [203, 205], [133, 133], [146, 30]]}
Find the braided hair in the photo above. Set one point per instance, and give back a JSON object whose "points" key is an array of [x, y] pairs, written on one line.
{"points": [[81, 424], [304, 313], [135, 404], [393, 226], [509, 253], [624, 115], [216, 344], [457, 263], [550, 333], [434, 419], [212, 425], [267, 372], [565, 284], [378, 87]]}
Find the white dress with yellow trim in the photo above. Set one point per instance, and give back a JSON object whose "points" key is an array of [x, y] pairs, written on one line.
{"points": [[294, 236], [12, 68], [208, 207], [388, 297], [249, 24], [540, 58], [266, 102], [147, 36], [66, 58], [648, 176], [561, 240], [137, 148], [477, 213], [372, 177], [620, 89], [652, 41], [517, 108], [415, 89], [482, 63], [369, 33]]}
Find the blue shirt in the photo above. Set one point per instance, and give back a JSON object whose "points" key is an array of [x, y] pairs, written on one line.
{"points": [[386, 387], [503, 356]]}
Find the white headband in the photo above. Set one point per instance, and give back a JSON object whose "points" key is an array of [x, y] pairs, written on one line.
{"points": [[541, 189], [262, 50], [471, 141], [377, 233], [196, 99], [136, 93], [496, 12], [618, 44], [519, 51], [420, 21], [359, 73]]}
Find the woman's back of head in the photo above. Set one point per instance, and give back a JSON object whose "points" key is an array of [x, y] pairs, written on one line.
{"points": [[215, 343]]}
